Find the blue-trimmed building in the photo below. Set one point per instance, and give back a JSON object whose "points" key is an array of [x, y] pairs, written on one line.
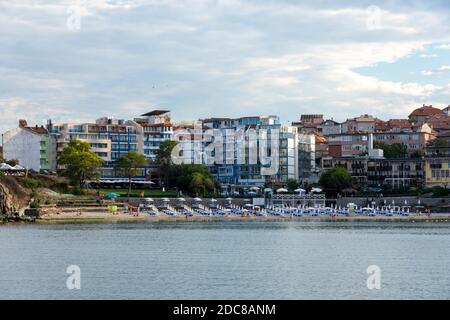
{"points": [[241, 168], [109, 138]]}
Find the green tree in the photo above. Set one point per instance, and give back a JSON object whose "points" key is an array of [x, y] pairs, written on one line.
{"points": [[438, 142], [395, 150], [200, 184], [292, 184], [12, 162], [80, 162], [192, 178], [129, 164], [417, 154], [335, 180], [164, 159]]}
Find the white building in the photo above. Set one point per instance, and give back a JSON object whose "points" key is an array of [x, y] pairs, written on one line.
{"points": [[31, 146], [156, 128], [241, 152]]}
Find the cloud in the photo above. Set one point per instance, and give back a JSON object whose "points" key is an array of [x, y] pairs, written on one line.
{"points": [[440, 70], [426, 56], [443, 47], [215, 57]]}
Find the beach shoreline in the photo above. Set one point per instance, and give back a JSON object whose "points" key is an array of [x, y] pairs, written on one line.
{"points": [[107, 217]]}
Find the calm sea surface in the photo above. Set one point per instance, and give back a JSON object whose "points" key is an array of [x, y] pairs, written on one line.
{"points": [[226, 260]]}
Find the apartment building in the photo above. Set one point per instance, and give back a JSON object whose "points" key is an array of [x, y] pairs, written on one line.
{"points": [[157, 127], [109, 138], [424, 113], [307, 170], [378, 172], [348, 144], [437, 167], [242, 152], [364, 123], [414, 136], [331, 127], [309, 123], [33, 147]]}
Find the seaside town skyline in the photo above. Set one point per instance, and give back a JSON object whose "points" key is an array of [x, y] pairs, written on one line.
{"points": [[407, 152]]}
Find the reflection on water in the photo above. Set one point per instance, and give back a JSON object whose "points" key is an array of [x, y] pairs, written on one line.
{"points": [[226, 260]]}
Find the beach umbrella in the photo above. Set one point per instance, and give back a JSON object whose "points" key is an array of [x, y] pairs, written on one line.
{"points": [[149, 200], [254, 188], [300, 190], [318, 190], [229, 199], [281, 190], [213, 200], [112, 195], [181, 199], [197, 199], [5, 166], [18, 167], [165, 200]]}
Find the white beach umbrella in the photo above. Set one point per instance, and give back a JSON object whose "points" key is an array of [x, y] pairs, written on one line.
{"points": [[165, 200], [148, 199], [213, 200], [300, 190], [197, 199], [254, 188], [281, 190], [181, 199], [5, 166]]}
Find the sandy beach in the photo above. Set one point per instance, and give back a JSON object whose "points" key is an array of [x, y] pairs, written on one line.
{"points": [[89, 215]]}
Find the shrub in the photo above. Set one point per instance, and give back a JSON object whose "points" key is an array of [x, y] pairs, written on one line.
{"points": [[31, 183], [35, 204], [77, 192], [62, 187]]}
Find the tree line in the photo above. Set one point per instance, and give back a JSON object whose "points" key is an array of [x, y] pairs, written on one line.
{"points": [[80, 164]]}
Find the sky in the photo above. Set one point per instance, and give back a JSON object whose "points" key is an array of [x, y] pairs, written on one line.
{"points": [[79, 60]]}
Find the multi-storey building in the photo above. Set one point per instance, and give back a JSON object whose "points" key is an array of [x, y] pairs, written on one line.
{"points": [[33, 147], [331, 127], [156, 128], [232, 149], [309, 123], [364, 123], [414, 136], [307, 171], [109, 138], [424, 113], [378, 172], [348, 144], [437, 166]]}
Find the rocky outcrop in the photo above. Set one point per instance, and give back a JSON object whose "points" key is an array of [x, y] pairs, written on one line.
{"points": [[7, 206], [13, 197]]}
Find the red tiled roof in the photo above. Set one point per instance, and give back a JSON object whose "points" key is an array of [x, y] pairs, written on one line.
{"points": [[399, 123], [426, 111], [38, 130]]}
